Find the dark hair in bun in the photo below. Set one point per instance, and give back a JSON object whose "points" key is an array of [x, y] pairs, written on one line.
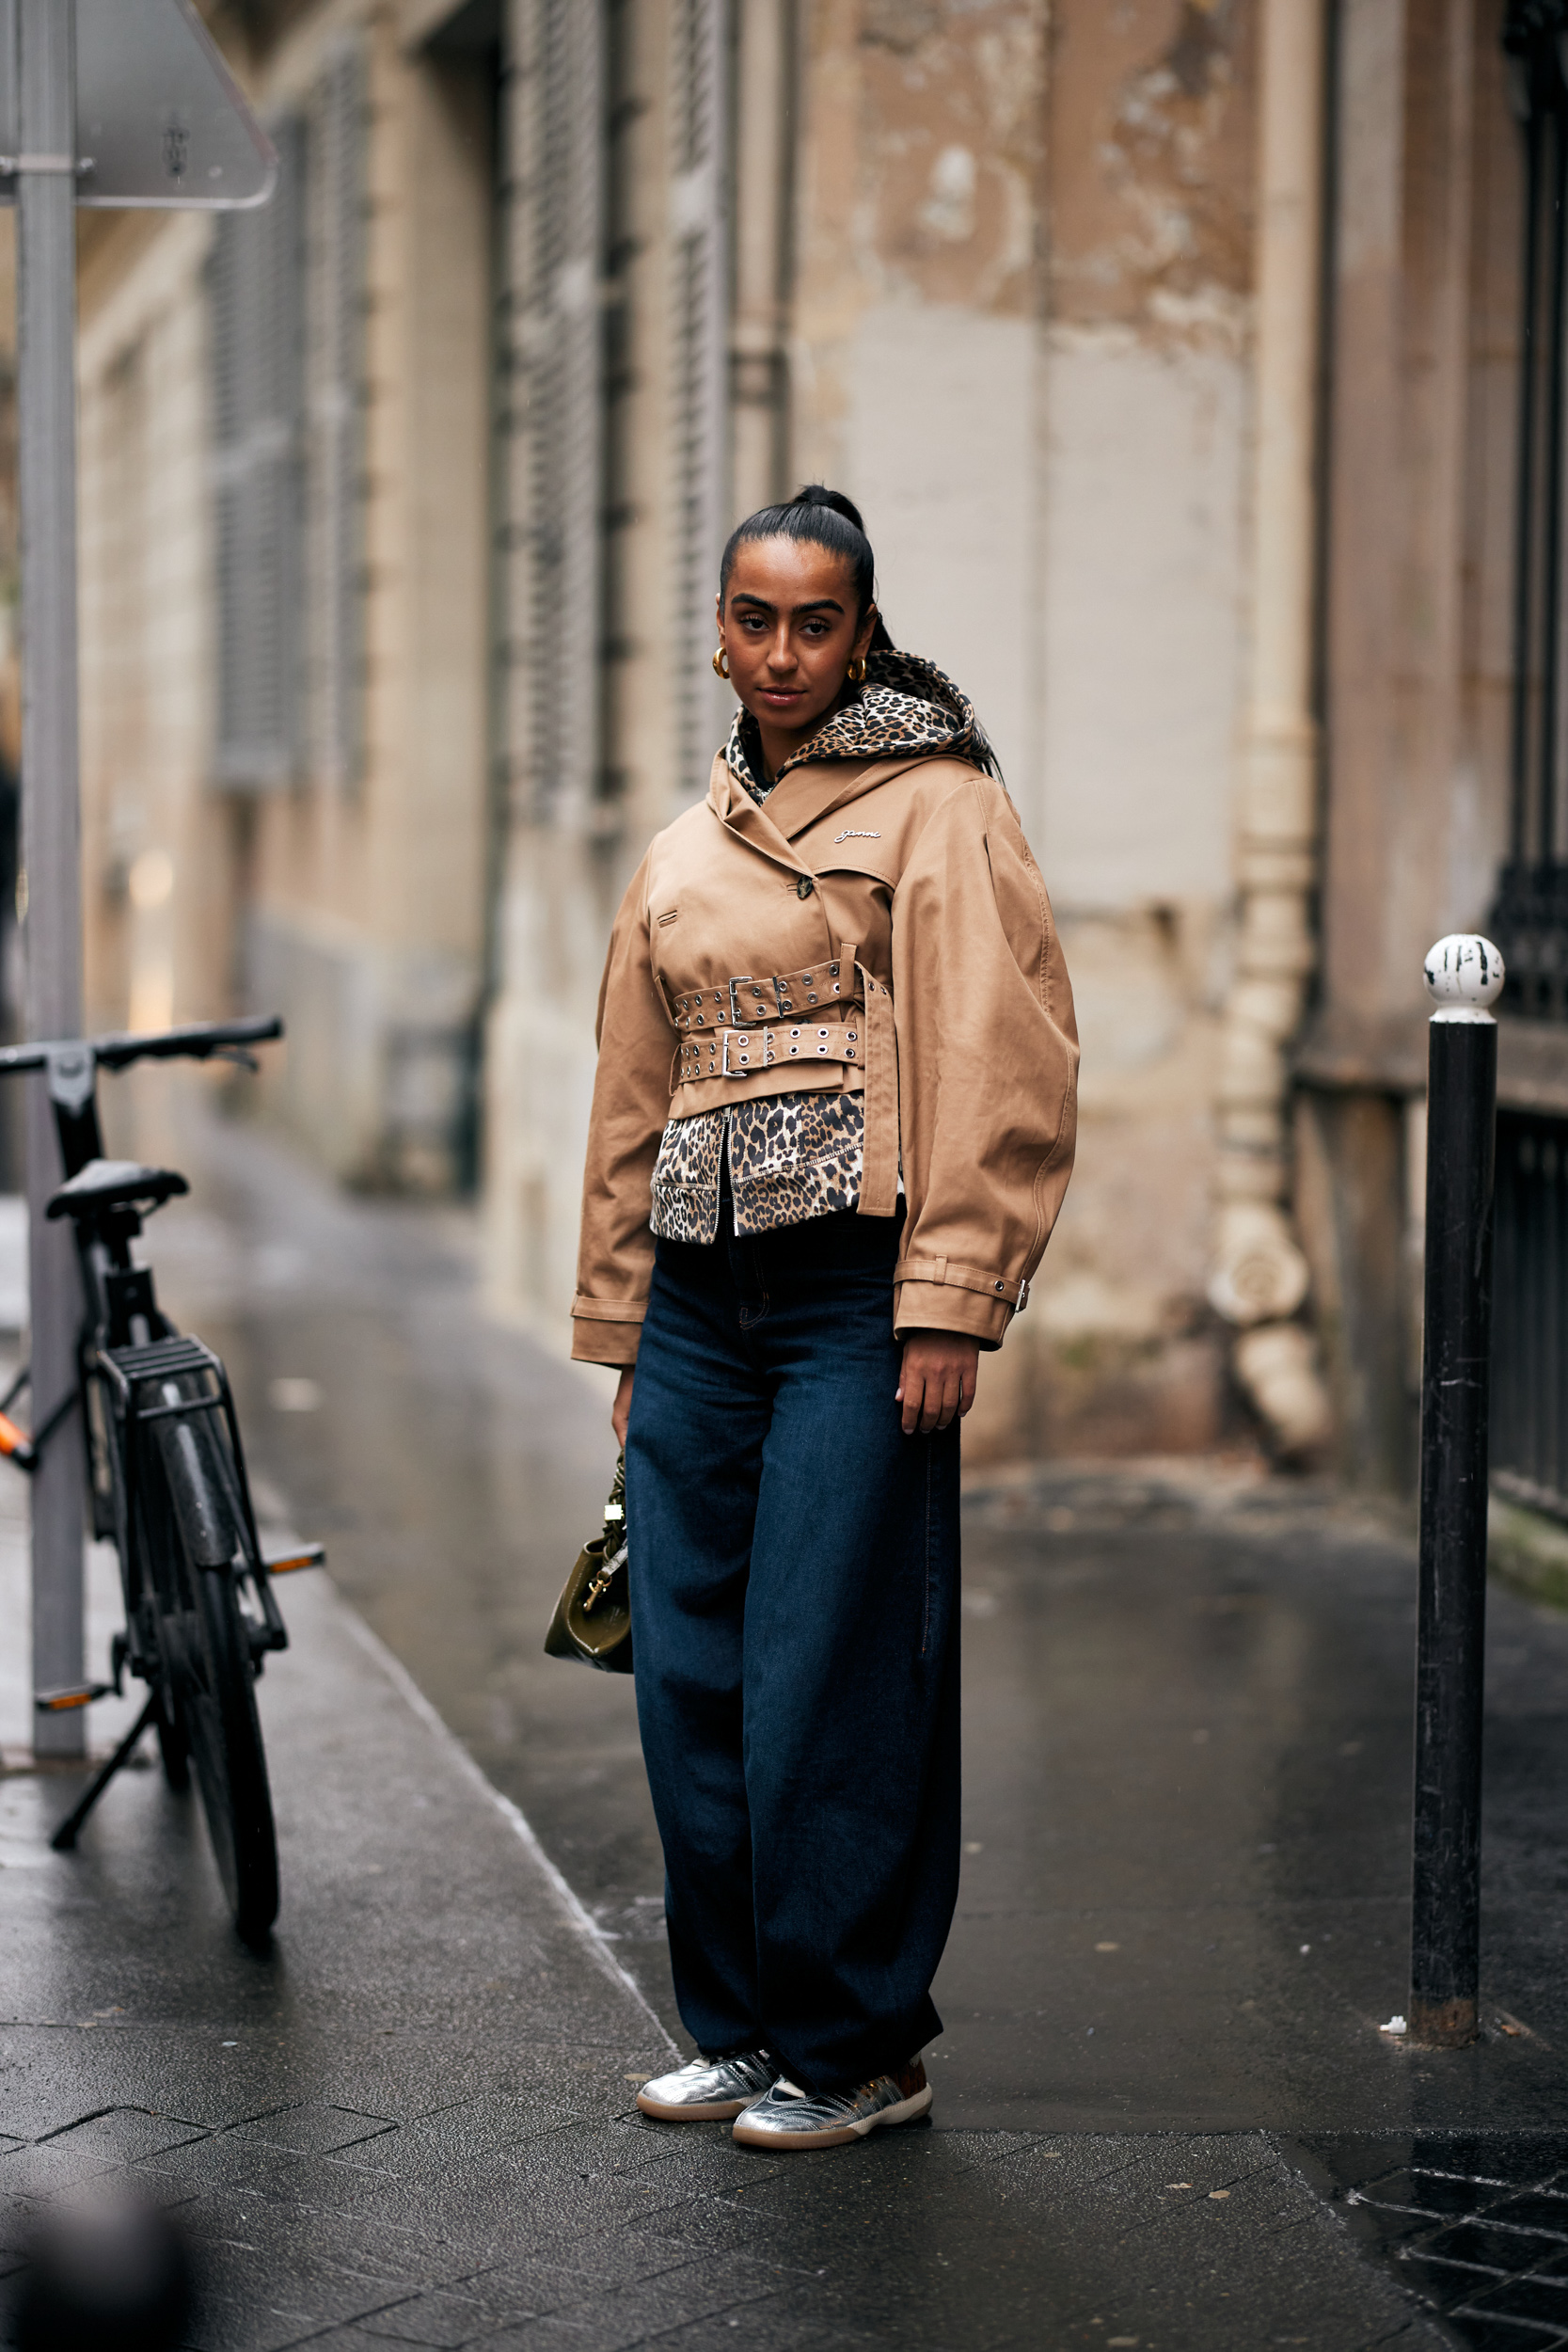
{"points": [[828, 520]]}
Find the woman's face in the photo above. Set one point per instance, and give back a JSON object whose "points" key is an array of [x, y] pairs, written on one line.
{"points": [[790, 627]]}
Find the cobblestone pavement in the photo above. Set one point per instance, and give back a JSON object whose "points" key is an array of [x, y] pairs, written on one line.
{"points": [[1476, 2224]]}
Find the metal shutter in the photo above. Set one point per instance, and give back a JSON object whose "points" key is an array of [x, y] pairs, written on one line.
{"points": [[700, 299], [334, 243], [254, 282], [552, 417]]}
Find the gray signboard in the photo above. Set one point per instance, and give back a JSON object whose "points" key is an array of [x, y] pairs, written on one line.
{"points": [[160, 120]]}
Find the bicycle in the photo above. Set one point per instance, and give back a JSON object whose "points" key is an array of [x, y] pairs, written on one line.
{"points": [[165, 1479]]}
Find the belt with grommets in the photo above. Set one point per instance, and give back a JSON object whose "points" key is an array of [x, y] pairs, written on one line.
{"points": [[747, 999], [726, 1053]]}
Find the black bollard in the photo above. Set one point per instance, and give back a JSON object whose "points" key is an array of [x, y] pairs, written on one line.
{"points": [[1465, 974]]}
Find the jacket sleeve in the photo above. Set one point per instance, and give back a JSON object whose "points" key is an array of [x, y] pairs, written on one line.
{"points": [[631, 1104], [988, 1068]]}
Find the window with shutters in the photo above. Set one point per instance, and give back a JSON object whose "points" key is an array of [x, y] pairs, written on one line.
{"points": [[570, 385], [554, 410], [255, 288], [287, 304], [619, 625], [699, 291], [333, 668]]}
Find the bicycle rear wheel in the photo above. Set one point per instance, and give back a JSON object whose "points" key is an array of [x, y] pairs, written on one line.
{"points": [[211, 1669]]}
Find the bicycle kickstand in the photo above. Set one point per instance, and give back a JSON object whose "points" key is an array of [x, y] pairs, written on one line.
{"points": [[65, 1837]]}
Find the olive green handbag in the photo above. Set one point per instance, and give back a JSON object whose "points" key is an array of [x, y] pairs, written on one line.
{"points": [[592, 1617]]}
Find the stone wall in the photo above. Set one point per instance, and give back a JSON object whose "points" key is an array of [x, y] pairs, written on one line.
{"points": [[990, 271]]}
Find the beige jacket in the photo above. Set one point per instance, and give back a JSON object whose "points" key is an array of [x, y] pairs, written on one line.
{"points": [[900, 902]]}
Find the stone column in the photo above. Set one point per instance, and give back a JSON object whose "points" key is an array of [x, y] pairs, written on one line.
{"points": [[1260, 1276]]}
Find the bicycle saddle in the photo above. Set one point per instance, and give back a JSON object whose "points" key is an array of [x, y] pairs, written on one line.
{"points": [[115, 1185]]}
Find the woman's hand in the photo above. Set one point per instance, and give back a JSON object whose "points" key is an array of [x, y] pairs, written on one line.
{"points": [[937, 1382], [620, 1412]]}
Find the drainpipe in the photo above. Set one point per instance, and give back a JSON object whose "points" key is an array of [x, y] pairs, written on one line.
{"points": [[1259, 1279]]}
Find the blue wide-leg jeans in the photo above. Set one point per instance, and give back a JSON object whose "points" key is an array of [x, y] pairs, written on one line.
{"points": [[794, 1578]]}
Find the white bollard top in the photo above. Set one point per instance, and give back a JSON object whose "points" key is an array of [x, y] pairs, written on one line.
{"points": [[1464, 975]]}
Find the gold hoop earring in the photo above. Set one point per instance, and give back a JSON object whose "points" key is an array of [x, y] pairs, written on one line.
{"points": [[721, 663], [856, 671]]}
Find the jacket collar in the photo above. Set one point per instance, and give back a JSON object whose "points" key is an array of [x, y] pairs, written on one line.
{"points": [[739, 813], [797, 801]]}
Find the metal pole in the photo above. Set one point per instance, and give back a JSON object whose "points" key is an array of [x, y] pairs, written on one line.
{"points": [[1465, 974], [46, 424]]}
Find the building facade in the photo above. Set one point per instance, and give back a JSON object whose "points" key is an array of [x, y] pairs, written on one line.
{"points": [[1173, 351]]}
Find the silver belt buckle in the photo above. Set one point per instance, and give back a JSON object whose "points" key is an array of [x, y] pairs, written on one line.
{"points": [[739, 980], [755, 1048]]}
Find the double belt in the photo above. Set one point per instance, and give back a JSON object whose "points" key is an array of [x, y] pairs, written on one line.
{"points": [[727, 1032]]}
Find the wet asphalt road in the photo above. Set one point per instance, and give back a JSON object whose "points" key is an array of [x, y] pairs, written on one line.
{"points": [[1185, 1903]]}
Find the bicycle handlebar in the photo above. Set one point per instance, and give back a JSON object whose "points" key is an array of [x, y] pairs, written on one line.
{"points": [[198, 1041]]}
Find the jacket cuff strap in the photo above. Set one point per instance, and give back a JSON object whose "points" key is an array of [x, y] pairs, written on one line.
{"points": [[964, 1277], [944, 1307]]}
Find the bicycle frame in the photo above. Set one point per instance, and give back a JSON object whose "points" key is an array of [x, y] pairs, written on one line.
{"points": [[125, 1342]]}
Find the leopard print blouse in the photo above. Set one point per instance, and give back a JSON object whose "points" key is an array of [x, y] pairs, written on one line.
{"points": [[792, 1156], [796, 1156]]}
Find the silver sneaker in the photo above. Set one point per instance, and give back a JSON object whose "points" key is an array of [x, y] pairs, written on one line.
{"points": [[789, 2118], [708, 2090]]}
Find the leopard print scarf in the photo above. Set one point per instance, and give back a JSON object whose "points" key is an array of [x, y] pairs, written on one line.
{"points": [[906, 705]]}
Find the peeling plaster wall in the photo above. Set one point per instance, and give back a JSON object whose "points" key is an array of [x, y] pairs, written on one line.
{"points": [[1151, 139], [1021, 343]]}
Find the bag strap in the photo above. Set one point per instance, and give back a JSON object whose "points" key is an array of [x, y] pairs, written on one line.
{"points": [[615, 1508]]}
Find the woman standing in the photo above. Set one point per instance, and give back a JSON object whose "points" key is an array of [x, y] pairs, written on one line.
{"points": [[833, 1125]]}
